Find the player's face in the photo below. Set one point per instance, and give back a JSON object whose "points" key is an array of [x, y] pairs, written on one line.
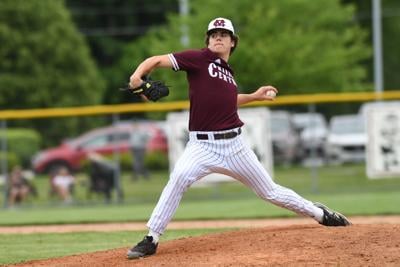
{"points": [[220, 42]]}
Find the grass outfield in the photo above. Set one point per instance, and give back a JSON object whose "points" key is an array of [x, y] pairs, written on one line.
{"points": [[344, 188], [18, 248], [329, 179], [349, 204]]}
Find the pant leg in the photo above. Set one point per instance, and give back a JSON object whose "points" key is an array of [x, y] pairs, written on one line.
{"points": [[134, 159], [246, 168], [192, 165], [139, 163]]}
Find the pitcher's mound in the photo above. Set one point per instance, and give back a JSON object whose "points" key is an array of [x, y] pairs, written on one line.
{"points": [[299, 245]]}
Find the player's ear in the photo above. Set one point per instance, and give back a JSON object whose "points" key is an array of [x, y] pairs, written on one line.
{"points": [[234, 43]]}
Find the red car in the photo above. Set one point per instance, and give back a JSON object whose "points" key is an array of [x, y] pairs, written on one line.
{"points": [[105, 141]]}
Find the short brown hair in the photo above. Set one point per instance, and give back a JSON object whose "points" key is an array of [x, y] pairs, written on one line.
{"points": [[234, 37]]}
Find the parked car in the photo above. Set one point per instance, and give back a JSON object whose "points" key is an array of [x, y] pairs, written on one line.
{"points": [[104, 141], [286, 145], [313, 130], [347, 139]]}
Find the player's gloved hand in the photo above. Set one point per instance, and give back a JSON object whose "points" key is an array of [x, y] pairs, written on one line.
{"points": [[153, 90]]}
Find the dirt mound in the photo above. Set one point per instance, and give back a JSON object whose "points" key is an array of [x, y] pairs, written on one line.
{"points": [[357, 245]]}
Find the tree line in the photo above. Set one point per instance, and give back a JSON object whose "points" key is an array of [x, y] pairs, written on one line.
{"points": [[62, 53]]}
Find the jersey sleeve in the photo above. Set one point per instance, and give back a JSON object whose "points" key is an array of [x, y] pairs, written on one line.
{"points": [[186, 60]]}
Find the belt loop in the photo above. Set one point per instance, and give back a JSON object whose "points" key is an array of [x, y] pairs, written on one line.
{"points": [[202, 136]]}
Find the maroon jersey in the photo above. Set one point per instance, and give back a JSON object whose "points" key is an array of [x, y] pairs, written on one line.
{"points": [[212, 90]]}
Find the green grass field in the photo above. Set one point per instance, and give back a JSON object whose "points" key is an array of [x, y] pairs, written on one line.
{"points": [[349, 203], [344, 188]]}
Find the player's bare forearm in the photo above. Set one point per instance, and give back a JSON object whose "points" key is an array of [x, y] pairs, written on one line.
{"points": [[148, 66], [260, 94], [244, 99]]}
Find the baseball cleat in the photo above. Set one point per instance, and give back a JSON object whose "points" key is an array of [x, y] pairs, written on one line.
{"points": [[144, 248], [331, 217]]}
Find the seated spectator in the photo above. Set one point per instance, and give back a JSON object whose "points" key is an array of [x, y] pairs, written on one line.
{"points": [[62, 184], [18, 187], [101, 175]]}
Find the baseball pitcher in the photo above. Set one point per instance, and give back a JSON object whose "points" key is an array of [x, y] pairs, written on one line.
{"points": [[215, 143]]}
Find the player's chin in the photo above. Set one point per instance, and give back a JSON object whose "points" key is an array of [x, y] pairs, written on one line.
{"points": [[218, 49]]}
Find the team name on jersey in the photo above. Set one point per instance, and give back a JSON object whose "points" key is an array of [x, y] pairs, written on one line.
{"points": [[221, 73]]}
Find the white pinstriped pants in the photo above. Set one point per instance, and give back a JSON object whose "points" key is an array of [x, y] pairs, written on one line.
{"points": [[231, 157]]}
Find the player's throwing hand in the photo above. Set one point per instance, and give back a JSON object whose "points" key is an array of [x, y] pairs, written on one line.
{"points": [[265, 93]]}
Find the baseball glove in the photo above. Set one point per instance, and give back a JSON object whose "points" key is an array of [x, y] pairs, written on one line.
{"points": [[153, 90]]}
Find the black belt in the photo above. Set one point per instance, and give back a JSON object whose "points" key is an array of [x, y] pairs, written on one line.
{"points": [[218, 136]]}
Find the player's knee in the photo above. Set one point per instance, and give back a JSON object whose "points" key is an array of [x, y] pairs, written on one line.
{"points": [[181, 180], [271, 195]]}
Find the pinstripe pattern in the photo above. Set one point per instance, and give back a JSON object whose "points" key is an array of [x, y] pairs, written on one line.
{"points": [[232, 157]]}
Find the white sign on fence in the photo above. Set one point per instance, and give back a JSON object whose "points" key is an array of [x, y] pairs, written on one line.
{"points": [[256, 131], [383, 146]]}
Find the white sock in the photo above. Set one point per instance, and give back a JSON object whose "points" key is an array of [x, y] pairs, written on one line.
{"points": [[156, 236], [318, 214]]}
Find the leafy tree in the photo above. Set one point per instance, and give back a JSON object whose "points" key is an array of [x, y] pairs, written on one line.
{"points": [[108, 25], [300, 47], [44, 63]]}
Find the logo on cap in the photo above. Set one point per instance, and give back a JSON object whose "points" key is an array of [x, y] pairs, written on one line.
{"points": [[219, 23]]}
